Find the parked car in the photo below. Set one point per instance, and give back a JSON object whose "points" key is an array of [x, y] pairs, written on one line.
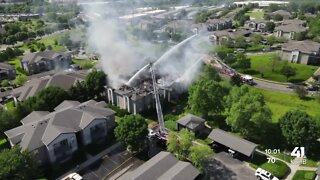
{"points": [[262, 174], [73, 176]]}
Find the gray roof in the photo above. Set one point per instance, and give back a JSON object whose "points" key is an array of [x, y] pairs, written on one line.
{"points": [[293, 27], [281, 12], [163, 166], [190, 121], [218, 21], [33, 86], [44, 55], [41, 128], [6, 66], [233, 142], [307, 46], [233, 34]]}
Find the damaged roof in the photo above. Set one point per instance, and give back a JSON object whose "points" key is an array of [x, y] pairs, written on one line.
{"points": [[41, 127]]}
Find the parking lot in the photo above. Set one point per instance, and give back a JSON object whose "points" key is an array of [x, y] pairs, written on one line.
{"points": [[108, 165], [223, 166]]}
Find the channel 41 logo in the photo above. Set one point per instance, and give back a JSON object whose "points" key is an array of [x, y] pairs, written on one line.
{"points": [[299, 154]]}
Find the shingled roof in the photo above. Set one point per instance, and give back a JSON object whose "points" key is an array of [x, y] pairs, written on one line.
{"points": [[35, 57], [163, 166], [41, 127], [307, 46], [63, 80], [6, 66], [233, 142], [190, 121], [293, 27]]}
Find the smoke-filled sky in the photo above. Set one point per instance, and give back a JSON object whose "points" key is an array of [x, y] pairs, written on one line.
{"points": [[120, 59]]}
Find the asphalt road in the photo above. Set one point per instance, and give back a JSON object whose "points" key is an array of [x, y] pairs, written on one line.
{"points": [[224, 167], [272, 86]]}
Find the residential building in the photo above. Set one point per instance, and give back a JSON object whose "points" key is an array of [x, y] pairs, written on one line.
{"points": [[220, 36], [65, 80], [135, 99], [192, 123], [218, 24], [283, 13], [39, 62], [163, 166], [301, 52], [256, 25], [288, 28], [260, 3], [7, 72], [233, 142], [55, 136]]}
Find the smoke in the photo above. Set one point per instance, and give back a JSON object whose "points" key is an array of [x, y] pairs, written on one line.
{"points": [[120, 58]]}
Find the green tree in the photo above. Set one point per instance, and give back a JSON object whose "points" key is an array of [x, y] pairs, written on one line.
{"points": [[5, 83], [18, 165], [299, 128], [95, 82], [278, 17], [271, 40], [270, 26], [8, 119], [199, 154], [240, 42], [180, 143], [79, 92], [288, 71], [236, 80], [211, 74], [256, 39], [206, 97], [46, 97], [132, 130], [247, 111], [242, 61], [20, 80]]}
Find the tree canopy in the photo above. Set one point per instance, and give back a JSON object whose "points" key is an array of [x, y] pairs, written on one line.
{"points": [[18, 165], [288, 71], [299, 129], [199, 154], [206, 97], [247, 111], [132, 130]]}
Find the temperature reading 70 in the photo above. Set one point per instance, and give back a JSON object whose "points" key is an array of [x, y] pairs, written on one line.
{"points": [[271, 160]]}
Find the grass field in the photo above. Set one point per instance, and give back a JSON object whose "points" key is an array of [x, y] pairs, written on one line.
{"points": [[280, 103], [263, 63], [255, 14], [303, 175], [278, 169]]}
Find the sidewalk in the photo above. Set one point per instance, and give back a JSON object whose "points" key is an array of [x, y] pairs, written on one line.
{"points": [[92, 160]]}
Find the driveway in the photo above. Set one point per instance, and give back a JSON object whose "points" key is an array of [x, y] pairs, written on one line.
{"points": [[108, 164], [224, 166]]}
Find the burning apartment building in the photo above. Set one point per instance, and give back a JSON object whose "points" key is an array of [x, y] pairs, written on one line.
{"points": [[138, 97]]}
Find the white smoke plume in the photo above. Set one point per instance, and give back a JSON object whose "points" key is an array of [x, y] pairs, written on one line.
{"points": [[120, 59]]}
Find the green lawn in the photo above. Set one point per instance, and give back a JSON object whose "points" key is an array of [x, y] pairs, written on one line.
{"points": [[255, 14], [304, 175], [85, 63], [15, 62], [263, 63], [280, 103], [278, 169]]}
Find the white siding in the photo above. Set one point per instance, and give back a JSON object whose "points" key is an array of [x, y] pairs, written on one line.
{"points": [[72, 141]]}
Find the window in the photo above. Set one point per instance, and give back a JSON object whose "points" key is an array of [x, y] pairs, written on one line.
{"points": [[64, 142]]}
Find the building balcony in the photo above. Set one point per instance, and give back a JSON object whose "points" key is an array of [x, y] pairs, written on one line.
{"points": [[62, 152]]}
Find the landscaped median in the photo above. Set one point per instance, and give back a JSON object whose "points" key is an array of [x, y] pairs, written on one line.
{"points": [[304, 175], [278, 168]]}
